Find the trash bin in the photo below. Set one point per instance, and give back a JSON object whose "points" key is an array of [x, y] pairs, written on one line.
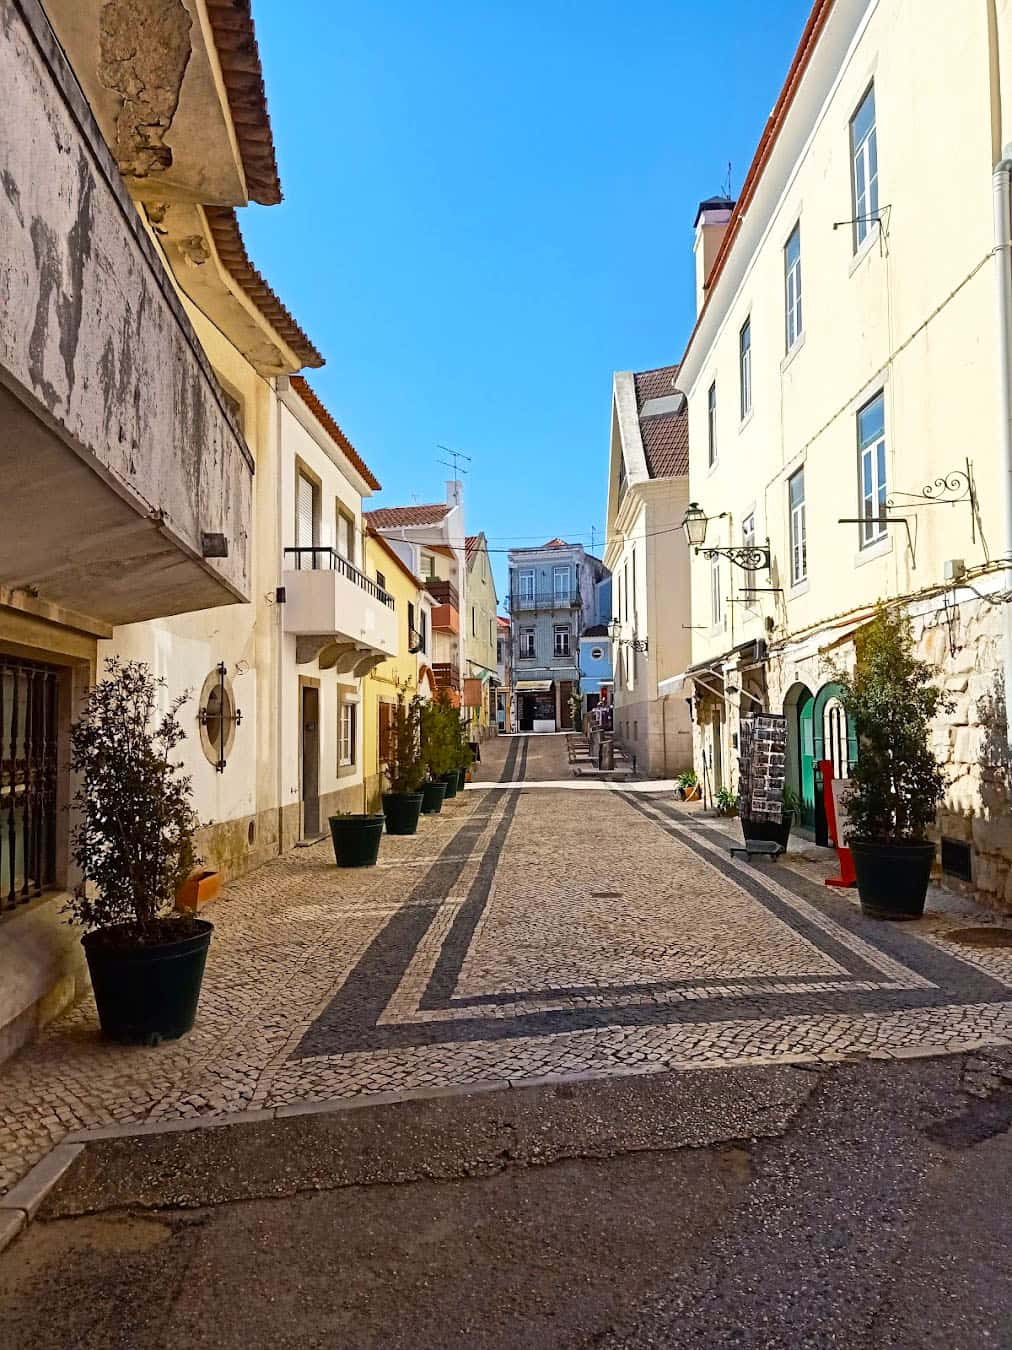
{"points": [[606, 759]]}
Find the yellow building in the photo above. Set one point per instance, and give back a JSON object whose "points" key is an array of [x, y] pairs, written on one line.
{"points": [[848, 393], [409, 670], [480, 633]]}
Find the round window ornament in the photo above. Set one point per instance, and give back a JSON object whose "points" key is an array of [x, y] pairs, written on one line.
{"points": [[597, 653], [218, 717]]}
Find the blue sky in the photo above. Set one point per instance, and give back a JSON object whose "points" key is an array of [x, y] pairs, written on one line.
{"points": [[488, 209]]}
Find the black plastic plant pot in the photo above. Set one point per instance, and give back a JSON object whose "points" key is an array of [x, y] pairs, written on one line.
{"points": [[402, 810], [461, 779], [450, 779], [892, 879], [768, 831], [433, 794], [356, 839], [147, 994]]}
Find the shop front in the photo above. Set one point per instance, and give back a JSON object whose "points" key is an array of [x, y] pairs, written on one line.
{"points": [[536, 705]]}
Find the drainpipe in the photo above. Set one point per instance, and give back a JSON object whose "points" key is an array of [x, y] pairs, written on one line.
{"points": [[1003, 292]]}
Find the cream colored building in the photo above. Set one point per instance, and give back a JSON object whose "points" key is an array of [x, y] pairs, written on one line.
{"points": [[481, 633], [848, 401], [648, 559]]}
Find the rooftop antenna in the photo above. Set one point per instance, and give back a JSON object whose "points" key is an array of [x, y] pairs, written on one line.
{"points": [[726, 189], [592, 533], [455, 456]]}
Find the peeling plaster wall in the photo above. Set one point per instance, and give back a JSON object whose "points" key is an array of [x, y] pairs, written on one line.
{"points": [[92, 337]]}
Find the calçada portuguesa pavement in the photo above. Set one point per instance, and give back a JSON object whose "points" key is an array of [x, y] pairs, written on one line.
{"points": [[520, 935]]}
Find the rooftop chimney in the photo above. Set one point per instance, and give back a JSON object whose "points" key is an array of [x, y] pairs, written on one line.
{"points": [[711, 226], [454, 492]]}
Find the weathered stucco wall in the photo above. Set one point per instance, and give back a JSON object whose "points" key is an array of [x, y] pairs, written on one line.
{"points": [[95, 345]]}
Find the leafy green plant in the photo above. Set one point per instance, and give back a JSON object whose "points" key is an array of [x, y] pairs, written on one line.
{"points": [[897, 783], [405, 764], [726, 801], [437, 737], [791, 800], [134, 838], [687, 779]]}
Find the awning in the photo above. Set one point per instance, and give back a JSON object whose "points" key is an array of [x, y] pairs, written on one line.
{"points": [[672, 684], [533, 687]]}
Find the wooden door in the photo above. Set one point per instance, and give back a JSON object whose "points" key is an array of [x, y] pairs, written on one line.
{"points": [[310, 761]]}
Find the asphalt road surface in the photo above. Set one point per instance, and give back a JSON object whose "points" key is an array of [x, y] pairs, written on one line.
{"points": [[861, 1206]]}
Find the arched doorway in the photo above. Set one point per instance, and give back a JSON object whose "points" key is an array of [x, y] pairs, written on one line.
{"points": [[835, 739], [799, 707]]}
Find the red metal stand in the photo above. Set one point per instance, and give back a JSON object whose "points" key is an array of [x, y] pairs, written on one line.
{"points": [[847, 877]]}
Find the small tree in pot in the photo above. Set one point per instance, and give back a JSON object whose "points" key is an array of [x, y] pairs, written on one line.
{"points": [[435, 754], [133, 843], [404, 766], [896, 784]]}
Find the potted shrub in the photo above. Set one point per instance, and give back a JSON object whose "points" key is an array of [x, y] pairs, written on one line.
{"points": [[436, 755], [896, 784], [772, 831], [133, 843], [445, 719], [688, 786], [404, 768], [726, 802], [356, 838]]}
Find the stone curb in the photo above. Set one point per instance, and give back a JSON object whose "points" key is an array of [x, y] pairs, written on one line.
{"points": [[21, 1203]]}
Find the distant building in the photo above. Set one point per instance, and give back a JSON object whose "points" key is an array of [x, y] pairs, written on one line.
{"points": [[504, 671], [553, 600], [648, 491], [480, 677], [595, 668]]}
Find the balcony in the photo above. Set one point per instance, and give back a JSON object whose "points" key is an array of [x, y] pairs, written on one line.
{"points": [[446, 676], [528, 601], [443, 592], [128, 488], [337, 615]]}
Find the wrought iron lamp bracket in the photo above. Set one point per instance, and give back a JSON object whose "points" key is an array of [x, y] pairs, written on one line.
{"points": [[751, 557]]}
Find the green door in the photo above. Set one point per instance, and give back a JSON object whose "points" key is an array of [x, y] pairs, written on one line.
{"points": [[806, 765]]}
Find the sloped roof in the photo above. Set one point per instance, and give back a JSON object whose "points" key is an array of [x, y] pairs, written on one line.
{"points": [[386, 517], [471, 545], [664, 433], [395, 557], [555, 543], [224, 226], [312, 402], [239, 58]]}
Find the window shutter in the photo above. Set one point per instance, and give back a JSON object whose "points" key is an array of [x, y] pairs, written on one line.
{"points": [[304, 515], [386, 727]]}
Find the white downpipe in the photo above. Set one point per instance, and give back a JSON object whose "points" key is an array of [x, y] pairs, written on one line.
{"points": [[1003, 291]]}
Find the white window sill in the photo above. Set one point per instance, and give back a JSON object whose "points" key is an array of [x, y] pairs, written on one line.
{"points": [[799, 588], [788, 359], [872, 551], [865, 247]]}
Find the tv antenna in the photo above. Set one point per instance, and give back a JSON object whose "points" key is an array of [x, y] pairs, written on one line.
{"points": [[726, 190], [453, 462]]}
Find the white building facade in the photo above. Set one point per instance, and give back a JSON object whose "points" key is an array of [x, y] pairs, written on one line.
{"points": [[847, 383]]}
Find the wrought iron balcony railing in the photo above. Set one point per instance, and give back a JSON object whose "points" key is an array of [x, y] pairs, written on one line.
{"points": [[526, 601], [443, 592], [317, 558], [446, 675]]}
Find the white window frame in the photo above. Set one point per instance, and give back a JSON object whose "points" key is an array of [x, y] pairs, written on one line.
{"points": [[716, 609], [864, 171], [798, 528], [347, 734], [527, 580], [564, 649], [528, 639], [794, 321], [563, 591], [745, 367], [873, 477], [711, 424]]}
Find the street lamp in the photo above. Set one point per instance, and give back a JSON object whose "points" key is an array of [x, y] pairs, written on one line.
{"points": [[637, 644], [749, 556], [694, 524]]}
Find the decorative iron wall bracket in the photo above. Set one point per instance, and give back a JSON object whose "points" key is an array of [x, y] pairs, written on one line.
{"points": [[751, 557]]}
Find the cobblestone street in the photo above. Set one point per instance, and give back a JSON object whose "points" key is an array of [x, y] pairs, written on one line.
{"points": [[520, 934]]}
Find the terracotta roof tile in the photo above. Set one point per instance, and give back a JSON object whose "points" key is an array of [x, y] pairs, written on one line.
{"points": [[654, 383], [239, 57], [301, 387], [665, 436], [387, 517], [472, 544], [224, 226]]}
